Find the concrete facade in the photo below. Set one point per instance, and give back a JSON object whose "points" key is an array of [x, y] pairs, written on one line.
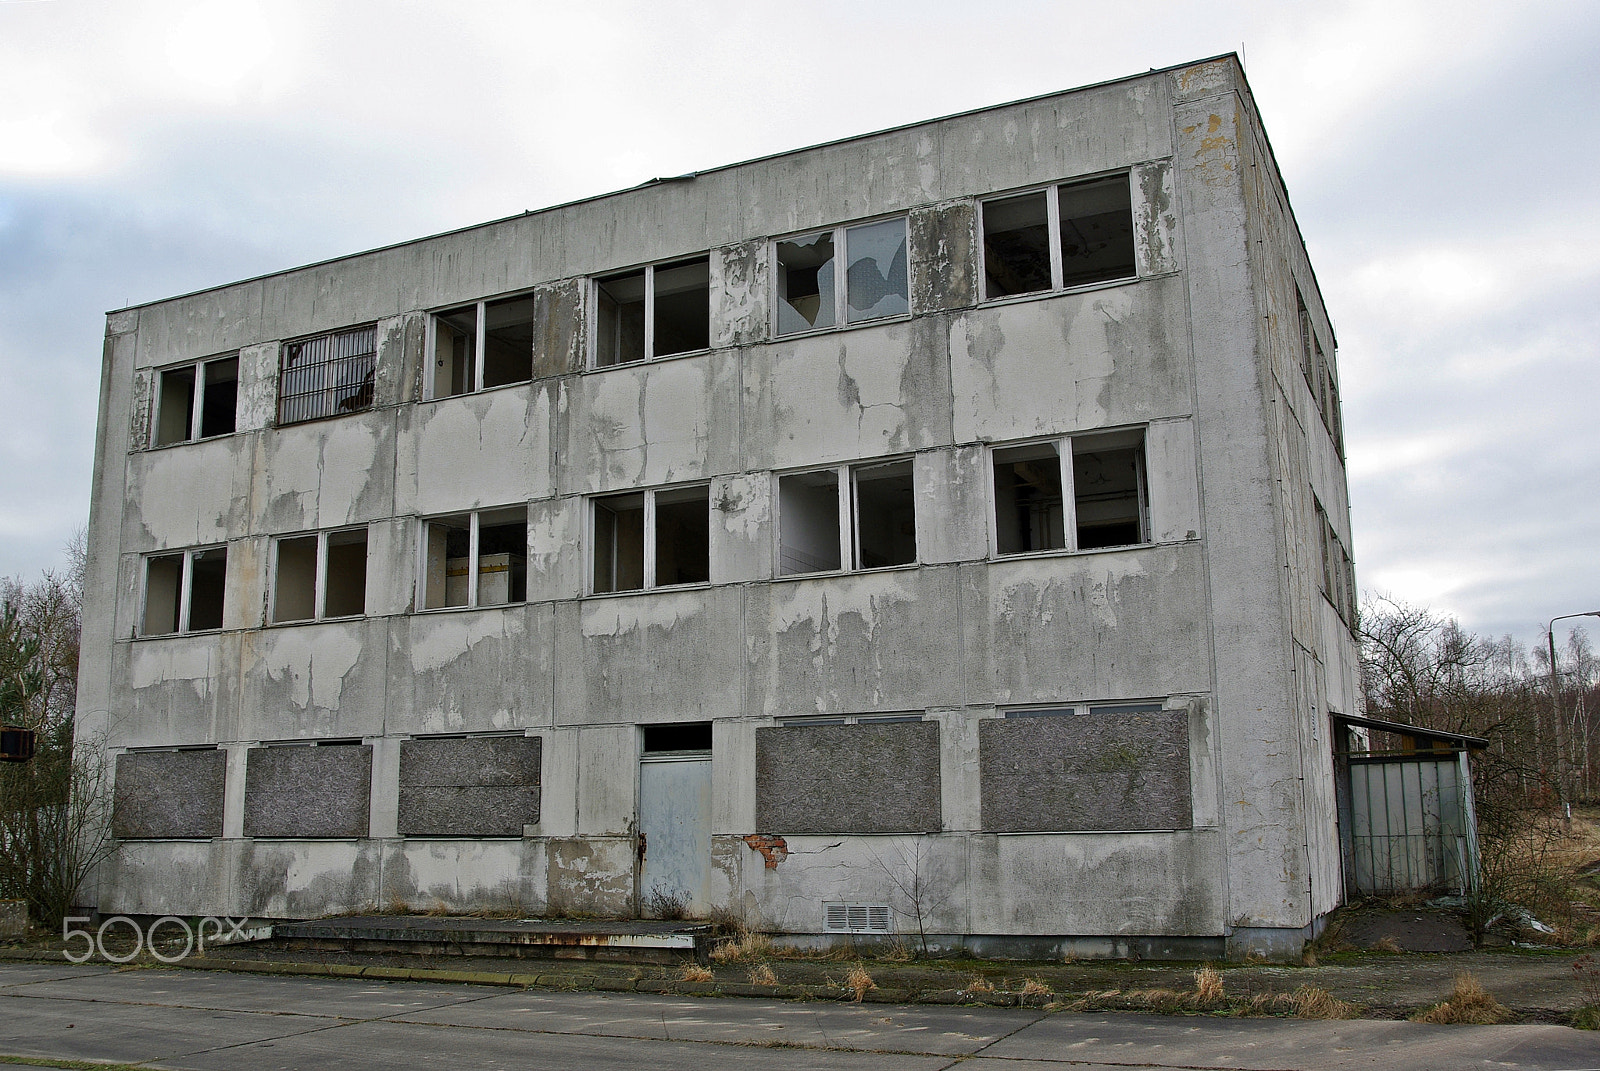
{"points": [[1097, 725]]}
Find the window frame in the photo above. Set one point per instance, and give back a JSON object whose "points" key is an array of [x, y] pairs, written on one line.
{"points": [[479, 347], [185, 592], [319, 595], [841, 282], [592, 313], [1069, 498], [1052, 192], [1317, 367], [846, 477], [196, 401], [1080, 708], [474, 556], [648, 537]]}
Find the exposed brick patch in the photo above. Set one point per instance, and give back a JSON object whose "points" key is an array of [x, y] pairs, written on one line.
{"points": [[773, 849]]}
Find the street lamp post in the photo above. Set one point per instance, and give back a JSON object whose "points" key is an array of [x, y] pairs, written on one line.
{"points": [[1555, 707]]}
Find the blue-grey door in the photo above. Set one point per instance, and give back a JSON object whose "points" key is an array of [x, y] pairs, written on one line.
{"points": [[675, 818]]}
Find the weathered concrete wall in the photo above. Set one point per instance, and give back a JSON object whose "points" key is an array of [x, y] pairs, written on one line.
{"points": [[168, 794], [307, 791], [868, 778], [1086, 772], [486, 787]]}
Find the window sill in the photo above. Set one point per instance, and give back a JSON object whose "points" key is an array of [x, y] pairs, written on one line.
{"points": [[836, 328], [186, 442], [834, 573], [474, 393], [179, 635], [1036, 295], [645, 361], [458, 609], [703, 585], [1025, 555], [345, 618]]}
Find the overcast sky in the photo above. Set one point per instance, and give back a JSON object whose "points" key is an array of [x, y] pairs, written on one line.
{"points": [[1441, 159]]}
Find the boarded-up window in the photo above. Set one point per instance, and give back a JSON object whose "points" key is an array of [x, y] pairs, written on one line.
{"points": [[469, 786], [308, 791], [1101, 767], [874, 777], [169, 794]]}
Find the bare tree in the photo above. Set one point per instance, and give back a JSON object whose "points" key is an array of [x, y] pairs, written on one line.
{"points": [[54, 807], [909, 872]]}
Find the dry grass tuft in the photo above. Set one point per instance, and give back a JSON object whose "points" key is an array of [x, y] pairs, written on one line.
{"points": [[693, 972], [897, 952], [1037, 987], [438, 909], [1309, 1002], [979, 984], [761, 974], [747, 947], [398, 905], [858, 981], [1468, 1002], [1387, 944], [1207, 987]]}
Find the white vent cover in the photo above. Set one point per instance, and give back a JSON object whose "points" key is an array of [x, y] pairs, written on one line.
{"points": [[856, 918]]}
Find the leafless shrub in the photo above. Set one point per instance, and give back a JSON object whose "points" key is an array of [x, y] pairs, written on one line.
{"points": [[664, 903]]}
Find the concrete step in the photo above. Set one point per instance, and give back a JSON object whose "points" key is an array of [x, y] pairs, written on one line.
{"points": [[614, 940]]}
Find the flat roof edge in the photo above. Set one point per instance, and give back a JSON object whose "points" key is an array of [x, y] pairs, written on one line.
{"points": [[677, 178]]}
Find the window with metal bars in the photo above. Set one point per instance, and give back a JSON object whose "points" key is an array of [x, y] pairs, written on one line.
{"points": [[329, 375]]}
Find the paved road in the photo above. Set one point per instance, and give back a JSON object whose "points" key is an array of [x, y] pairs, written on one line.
{"points": [[212, 1020]]}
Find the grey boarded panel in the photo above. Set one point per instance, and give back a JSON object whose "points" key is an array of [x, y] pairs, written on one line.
{"points": [[467, 811], [169, 794], [1085, 772], [470, 762], [308, 791], [872, 778]]}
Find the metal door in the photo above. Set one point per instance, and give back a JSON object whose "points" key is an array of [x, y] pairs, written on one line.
{"points": [[675, 820]]}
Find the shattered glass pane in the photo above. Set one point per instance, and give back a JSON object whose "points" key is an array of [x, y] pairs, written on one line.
{"points": [[875, 281], [805, 283]]}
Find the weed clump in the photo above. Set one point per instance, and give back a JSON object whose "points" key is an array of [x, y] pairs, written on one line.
{"points": [[1468, 1002]]}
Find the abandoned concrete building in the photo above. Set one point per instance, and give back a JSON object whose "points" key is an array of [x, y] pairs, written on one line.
{"points": [[943, 528]]}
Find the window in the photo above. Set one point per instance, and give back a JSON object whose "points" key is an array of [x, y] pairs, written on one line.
{"points": [[1100, 476], [475, 559], [655, 311], [1338, 572], [329, 375], [183, 592], [862, 514], [196, 401], [1097, 709], [1318, 371], [486, 344], [320, 575], [1060, 236], [652, 539], [811, 289]]}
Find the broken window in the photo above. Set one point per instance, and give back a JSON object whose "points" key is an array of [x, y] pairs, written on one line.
{"points": [[183, 591], [196, 401], [1067, 235], [861, 514], [650, 539], [475, 559], [479, 346], [320, 576], [1079, 493], [811, 289], [1338, 572], [1318, 371], [329, 375], [655, 311]]}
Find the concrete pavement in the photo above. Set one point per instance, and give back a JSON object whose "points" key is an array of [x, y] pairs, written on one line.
{"points": [[215, 1020]]}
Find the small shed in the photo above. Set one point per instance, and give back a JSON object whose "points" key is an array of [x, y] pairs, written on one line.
{"points": [[1406, 818]]}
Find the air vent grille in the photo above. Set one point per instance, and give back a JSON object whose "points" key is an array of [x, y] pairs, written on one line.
{"points": [[857, 918]]}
